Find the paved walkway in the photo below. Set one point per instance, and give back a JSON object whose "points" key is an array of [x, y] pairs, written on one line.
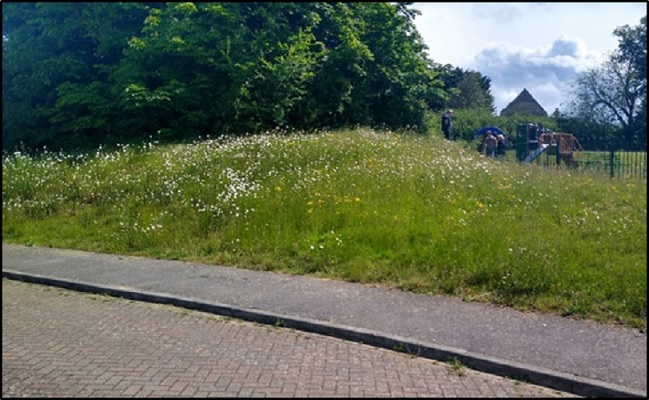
{"points": [[61, 343], [578, 357]]}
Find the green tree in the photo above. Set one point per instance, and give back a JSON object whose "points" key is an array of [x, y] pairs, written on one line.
{"points": [[176, 71], [614, 94], [303, 65], [633, 49], [465, 89], [401, 81], [57, 60], [473, 91], [89, 73]]}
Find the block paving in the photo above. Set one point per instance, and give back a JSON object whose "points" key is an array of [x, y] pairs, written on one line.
{"points": [[61, 343]]}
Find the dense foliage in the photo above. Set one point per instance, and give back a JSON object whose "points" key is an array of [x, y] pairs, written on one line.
{"points": [[468, 89], [81, 74]]}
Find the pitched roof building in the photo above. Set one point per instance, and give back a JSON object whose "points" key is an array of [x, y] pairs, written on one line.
{"points": [[524, 103]]}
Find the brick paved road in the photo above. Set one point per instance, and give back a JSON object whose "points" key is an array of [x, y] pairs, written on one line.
{"points": [[60, 343]]}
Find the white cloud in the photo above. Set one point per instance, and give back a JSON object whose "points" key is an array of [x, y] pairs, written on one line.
{"points": [[544, 72], [537, 46]]}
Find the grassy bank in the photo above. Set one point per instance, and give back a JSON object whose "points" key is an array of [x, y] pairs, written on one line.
{"points": [[407, 211]]}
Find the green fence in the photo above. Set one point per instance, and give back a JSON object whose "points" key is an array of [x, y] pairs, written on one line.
{"points": [[616, 164]]}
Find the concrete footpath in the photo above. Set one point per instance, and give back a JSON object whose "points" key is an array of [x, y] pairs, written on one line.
{"points": [[579, 357]]}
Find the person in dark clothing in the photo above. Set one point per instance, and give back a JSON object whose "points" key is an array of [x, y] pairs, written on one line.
{"points": [[447, 124], [501, 146]]}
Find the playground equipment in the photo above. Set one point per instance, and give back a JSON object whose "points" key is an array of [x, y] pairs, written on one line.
{"points": [[532, 140]]}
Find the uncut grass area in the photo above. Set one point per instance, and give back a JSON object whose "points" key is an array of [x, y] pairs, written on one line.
{"points": [[397, 209]]}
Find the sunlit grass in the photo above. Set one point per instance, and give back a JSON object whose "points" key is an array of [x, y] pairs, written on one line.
{"points": [[413, 212]]}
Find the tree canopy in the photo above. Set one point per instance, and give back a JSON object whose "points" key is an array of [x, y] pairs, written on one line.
{"points": [[79, 74], [613, 95], [467, 89]]}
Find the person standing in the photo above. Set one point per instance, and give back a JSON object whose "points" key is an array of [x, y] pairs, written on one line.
{"points": [[447, 124], [500, 148], [490, 144]]}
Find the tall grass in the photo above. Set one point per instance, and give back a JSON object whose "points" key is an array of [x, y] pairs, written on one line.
{"points": [[413, 212]]}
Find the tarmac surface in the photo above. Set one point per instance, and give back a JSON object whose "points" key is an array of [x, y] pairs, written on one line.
{"points": [[568, 356]]}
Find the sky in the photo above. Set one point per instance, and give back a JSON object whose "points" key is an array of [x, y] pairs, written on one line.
{"points": [[540, 47]]}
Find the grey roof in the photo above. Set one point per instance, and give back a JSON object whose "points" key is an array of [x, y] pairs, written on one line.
{"points": [[524, 103]]}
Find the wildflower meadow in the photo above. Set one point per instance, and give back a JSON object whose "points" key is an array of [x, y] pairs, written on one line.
{"points": [[409, 211]]}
